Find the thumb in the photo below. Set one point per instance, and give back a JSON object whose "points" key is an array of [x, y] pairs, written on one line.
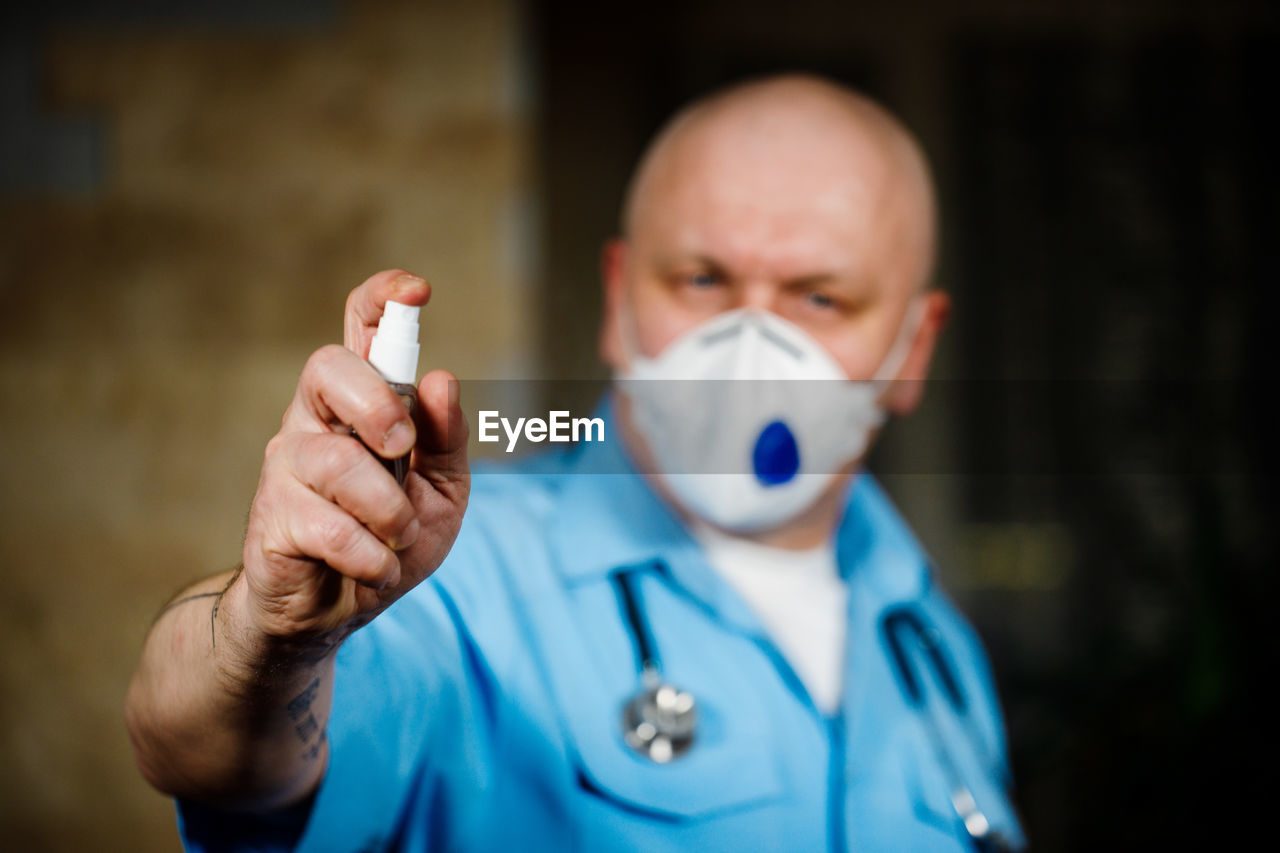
{"points": [[441, 449]]}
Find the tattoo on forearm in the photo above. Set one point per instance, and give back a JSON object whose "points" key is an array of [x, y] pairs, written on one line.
{"points": [[301, 703], [306, 726], [213, 613], [183, 600], [314, 751]]}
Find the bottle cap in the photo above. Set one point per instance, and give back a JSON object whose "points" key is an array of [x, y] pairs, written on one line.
{"points": [[394, 351]]}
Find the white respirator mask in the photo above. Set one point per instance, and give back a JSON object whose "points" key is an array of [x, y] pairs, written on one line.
{"points": [[748, 418]]}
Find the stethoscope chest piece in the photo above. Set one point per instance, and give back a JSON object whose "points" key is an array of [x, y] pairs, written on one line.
{"points": [[659, 721]]}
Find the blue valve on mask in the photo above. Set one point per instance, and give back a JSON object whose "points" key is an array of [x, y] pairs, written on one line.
{"points": [[776, 456]]}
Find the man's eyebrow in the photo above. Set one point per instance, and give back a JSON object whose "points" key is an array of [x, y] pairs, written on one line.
{"points": [[844, 280], [681, 257], [812, 280], [859, 289], [684, 259]]}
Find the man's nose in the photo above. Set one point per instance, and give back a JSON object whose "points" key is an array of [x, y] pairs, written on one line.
{"points": [[762, 295]]}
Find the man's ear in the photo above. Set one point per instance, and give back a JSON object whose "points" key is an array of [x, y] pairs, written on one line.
{"points": [[613, 261], [905, 394]]}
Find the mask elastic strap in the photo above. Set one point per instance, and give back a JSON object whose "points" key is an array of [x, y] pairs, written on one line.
{"points": [[897, 355], [629, 337]]}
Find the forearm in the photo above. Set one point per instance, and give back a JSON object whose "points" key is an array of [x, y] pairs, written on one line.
{"points": [[217, 712], [231, 698]]}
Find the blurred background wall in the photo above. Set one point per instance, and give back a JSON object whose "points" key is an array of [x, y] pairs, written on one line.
{"points": [[189, 190]]}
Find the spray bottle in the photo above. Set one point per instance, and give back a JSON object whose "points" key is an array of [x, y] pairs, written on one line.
{"points": [[394, 354]]}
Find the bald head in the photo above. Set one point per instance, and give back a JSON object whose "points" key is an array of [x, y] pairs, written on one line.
{"points": [[801, 141]]}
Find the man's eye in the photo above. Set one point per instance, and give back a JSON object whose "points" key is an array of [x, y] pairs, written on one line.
{"points": [[704, 279], [819, 300]]}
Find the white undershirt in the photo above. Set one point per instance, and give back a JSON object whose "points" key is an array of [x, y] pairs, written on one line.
{"points": [[800, 599]]}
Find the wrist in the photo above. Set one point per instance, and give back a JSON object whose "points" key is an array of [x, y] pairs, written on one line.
{"points": [[253, 659]]}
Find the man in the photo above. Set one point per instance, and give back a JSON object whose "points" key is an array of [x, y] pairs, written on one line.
{"points": [[637, 644]]}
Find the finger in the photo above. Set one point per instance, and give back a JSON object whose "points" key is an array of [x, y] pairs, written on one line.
{"points": [[341, 470], [339, 388], [320, 530], [441, 449], [366, 303]]}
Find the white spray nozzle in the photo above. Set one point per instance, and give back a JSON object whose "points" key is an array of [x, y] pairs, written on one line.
{"points": [[394, 351]]}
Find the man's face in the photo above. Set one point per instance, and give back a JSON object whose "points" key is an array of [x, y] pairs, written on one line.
{"points": [[817, 230]]}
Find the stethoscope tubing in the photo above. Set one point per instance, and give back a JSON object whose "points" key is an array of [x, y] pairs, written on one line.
{"points": [[895, 625], [642, 640]]}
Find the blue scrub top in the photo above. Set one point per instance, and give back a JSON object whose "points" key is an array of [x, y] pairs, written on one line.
{"points": [[483, 710]]}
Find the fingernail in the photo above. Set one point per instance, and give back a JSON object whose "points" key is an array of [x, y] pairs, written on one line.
{"points": [[455, 392], [392, 577], [409, 535], [407, 282], [398, 440]]}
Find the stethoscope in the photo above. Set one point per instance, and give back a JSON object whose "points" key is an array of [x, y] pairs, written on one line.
{"points": [[660, 720], [909, 619]]}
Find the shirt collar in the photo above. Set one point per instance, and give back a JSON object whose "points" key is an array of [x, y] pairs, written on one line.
{"points": [[876, 547], [608, 517]]}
